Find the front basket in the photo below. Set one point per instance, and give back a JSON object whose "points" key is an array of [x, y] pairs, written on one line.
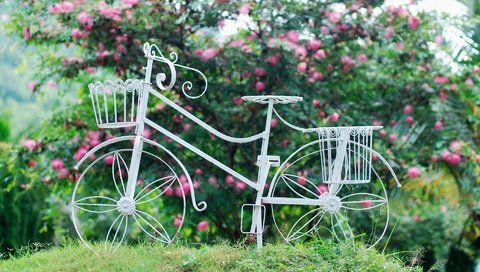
{"points": [[115, 103]]}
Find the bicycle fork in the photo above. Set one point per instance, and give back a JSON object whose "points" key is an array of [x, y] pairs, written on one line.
{"points": [[264, 165]]}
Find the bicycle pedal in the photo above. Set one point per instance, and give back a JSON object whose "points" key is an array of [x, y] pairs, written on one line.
{"points": [[271, 159], [255, 208]]}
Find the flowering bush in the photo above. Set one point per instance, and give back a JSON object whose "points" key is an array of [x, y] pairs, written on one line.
{"points": [[355, 62]]}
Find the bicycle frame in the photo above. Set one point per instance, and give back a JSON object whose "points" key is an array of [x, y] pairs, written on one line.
{"points": [[338, 140]]}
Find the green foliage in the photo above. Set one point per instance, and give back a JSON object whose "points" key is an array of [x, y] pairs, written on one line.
{"points": [[315, 257]]}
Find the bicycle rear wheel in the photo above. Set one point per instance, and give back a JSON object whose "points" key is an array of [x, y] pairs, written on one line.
{"points": [[304, 206]]}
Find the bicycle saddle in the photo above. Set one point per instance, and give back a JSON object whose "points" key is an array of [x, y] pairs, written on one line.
{"points": [[277, 99]]}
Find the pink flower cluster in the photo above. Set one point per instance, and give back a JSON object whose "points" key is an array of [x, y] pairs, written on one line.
{"points": [[62, 7], [62, 172], [206, 54], [238, 185]]}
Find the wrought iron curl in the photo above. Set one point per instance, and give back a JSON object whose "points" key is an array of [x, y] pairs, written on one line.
{"points": [[153, 51]]}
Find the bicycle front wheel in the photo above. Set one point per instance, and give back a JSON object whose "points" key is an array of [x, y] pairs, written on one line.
{"points": [[104, 217]]}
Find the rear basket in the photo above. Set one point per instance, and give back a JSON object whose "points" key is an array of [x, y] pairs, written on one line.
{"points": [[345, 154], [115, 103]]}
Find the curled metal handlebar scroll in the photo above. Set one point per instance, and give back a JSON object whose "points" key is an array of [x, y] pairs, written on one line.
{"points": [[153, 52]]}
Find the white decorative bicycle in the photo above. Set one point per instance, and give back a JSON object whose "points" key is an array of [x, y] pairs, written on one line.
{"points": [[323, 188]]}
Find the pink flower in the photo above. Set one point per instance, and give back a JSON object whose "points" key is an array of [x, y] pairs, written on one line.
{"points": [[322, 188], [409, 120], [259, 86], [400, 46], [63, 173], [301, 52], [476, 69], [177, 221], [302, 180], [237, 101], [455, 146], [31, 85], [147, 133], [334, 17], [301, 67], [169, 191], [446, 156], [260, 72], [366, 203], [443, 209], [51, 84], [178, 192], [469, 81], [81, 151], [274, 123], [438, 39], [208, 54], [413, 22], [438, 125], [388, 32], [246, 48], [316, 103], [229, 179], [478, 159], [434, 158], [245, 9], [417, 218], [393, 137], [111, 13], [362, 58], [408, 109], [67, 7], [26, 33], [320, 54], [324, 30], [57, 163], [202, 226], [440, 79], [374, 156], [186, 188], [130, 3], [198, 171], [187, 127], [212, 181], [292, 36], [240, 186], [29, 144], [455, 159], [314, 45], [84, 18], [272, 60], [413, 172], [77, 33], [317, 76], [333, 117], [108, 160]]}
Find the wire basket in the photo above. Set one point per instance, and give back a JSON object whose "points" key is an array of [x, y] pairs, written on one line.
{"points": [[115, 103], [345, 154]]}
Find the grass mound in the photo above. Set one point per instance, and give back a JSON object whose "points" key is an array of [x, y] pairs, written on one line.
{"points": [[318, 256]]}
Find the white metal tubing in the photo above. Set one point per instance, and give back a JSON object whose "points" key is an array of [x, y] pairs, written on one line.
{"points": [[293, 201], [138, 144], [200, 153], [257, 224], [203, 124]]}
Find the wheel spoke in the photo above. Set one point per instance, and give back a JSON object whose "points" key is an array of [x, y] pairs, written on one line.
{"points": [[112, 246], [363, 201], [108, 204], [117, 164], [288, 180], [293, 236], [165, 236], [169, 180], [340, 223]]}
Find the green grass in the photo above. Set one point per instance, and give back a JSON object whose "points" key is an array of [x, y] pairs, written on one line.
{"points": [[281, 257]]}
